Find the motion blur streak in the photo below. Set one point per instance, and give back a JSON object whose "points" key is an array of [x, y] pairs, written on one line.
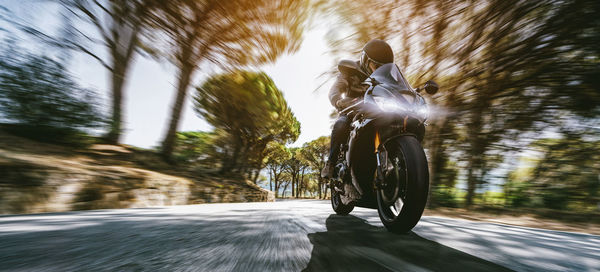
{"points": [[519, 99]]}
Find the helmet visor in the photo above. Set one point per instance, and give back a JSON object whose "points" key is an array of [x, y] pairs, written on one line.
{"points": [[365, 59]]}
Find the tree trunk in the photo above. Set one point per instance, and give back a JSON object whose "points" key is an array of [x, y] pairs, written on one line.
{"points": [[117, 83], [123, 41], [284, 189], [276, 188], [476, 151], [300, 183], [270, 181], [438, 156], [256, 175], [293, 180], [241, 163], [320, 185], [185, 75], [229, 163], [120, 67]]}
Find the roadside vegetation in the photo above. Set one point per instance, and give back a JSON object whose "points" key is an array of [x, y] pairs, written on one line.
{"points": [[516, 121]]}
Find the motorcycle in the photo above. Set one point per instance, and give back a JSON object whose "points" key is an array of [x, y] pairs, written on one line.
{"points": [[383, 165]]}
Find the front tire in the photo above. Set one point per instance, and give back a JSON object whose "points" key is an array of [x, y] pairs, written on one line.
{"points": [[336, 202], [402, 198]]}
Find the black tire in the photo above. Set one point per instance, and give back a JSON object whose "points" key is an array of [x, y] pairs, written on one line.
{"points": [[337, 205], [412, 185]]}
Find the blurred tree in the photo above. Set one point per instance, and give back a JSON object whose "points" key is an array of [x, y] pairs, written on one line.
{"points": [[517, 188], [507, 67], [315, 154], [226, 33], [41, 98], [116, 25], [568, 173], [249, 108], [198, 148], [530, 61]]}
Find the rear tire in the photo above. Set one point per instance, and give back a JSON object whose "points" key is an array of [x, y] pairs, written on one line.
{"points": [[336, 203], [401, 202]]}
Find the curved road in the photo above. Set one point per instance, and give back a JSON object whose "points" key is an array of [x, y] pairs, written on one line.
{"points": [[298, 235]]}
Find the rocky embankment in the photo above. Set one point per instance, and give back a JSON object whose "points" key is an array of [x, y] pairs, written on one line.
{"points": [[36, 177]]}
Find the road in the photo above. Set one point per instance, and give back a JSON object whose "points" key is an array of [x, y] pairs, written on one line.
{"points": [[298, 235]]}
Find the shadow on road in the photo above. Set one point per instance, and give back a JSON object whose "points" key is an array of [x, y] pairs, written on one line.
{"points": [[350, 243]]}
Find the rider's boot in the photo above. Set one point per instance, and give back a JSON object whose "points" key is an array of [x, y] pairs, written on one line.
{"points": [[351, 192], [327, 171]]}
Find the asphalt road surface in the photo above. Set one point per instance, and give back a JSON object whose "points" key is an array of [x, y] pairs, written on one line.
{"points": [[299, 235]]}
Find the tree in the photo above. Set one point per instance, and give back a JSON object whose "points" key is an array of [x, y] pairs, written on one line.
{"points": [[285, 181], [568, 173], [40, 96], [278, 154], [226, 33], [116, 25], [198, 148], [296, 167], [507, 67], [250, 110], [315, 153]]}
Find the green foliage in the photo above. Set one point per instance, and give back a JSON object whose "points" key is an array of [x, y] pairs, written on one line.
{"points": [[565, 176], [296, 167], [91, 26], [516, 194], [315, 152], [299, 167], [197, 148], [568, 173], [276, 155], [40, 98], [251, 112], [230, 34], [506, 68], [444, 197]]}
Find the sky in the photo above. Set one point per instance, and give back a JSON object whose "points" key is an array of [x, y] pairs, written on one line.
{"points": [[150, 91]]}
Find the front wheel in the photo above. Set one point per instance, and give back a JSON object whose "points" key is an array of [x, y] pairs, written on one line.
{"points": [[402, 196], [336, 202]]}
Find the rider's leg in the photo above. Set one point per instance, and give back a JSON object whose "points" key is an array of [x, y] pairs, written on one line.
{"points": [[339, 135]]}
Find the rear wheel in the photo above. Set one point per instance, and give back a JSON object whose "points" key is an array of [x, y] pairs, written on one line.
{"points": [[402, 197], [336, 202]]}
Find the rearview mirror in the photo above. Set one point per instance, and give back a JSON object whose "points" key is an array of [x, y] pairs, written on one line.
{"points": [[431, 87]]}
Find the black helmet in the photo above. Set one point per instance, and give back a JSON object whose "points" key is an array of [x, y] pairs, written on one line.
{"points": [[376, 51]]}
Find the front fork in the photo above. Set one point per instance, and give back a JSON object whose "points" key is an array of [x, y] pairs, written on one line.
{"points": [[381, 155], [340, 171]]}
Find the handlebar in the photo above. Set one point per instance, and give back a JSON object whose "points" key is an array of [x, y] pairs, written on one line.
{"points": [[351, 107]]}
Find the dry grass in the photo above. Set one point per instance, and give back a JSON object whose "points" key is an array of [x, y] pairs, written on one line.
{"points": [[573, 222]]}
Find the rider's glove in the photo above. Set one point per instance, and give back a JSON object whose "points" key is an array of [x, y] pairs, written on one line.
{"points": [[345, 102]]}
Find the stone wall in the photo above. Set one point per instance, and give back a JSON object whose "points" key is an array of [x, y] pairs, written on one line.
{"points": [[27, 187]]}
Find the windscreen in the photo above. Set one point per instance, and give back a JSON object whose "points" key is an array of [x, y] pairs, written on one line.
{"points": [[390, 76]]}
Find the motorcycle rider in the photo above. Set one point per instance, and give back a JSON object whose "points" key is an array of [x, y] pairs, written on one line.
{"points": [[348, 90]]}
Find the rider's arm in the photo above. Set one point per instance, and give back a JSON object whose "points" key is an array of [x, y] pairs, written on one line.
{"points": [[340, 87], [355, 87]]}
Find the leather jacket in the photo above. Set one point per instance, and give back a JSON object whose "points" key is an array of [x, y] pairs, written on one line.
{"points": [[347, 87]]}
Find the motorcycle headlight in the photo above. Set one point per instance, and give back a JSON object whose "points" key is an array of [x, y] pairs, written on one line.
{"points": [[388, 104], [423, 111]]}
